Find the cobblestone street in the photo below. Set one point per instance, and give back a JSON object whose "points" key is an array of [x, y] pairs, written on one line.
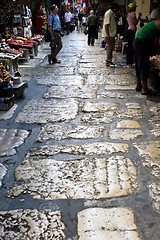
{"points": [[80, 151]]}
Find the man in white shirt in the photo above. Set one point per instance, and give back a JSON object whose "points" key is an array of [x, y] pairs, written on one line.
{"points": [[68, 17]]}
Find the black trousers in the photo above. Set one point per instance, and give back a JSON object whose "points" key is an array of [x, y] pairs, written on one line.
{"points": [[91, 34], [142, 52], [130, 53]]}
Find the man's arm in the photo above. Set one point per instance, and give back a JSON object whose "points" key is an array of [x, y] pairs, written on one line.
{"points": [[51, 32], [107, 30]]}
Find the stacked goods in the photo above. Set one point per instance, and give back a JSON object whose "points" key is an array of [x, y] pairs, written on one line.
{"points": [[155, 61], [6, 89]]}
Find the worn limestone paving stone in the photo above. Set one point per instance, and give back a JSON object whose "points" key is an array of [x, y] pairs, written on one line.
{"points": [[154, 192], [100, 106], [107, 224], [60, 80], [86, 59], [155, 123], [93, 71], [10, 139], [60, 132], [97, 79], [31, 224], [4, 115], [93, 57], [94, 178], [133, 110], [155, 119], [150, 153], [49, 71], [3, 171], [97, 117], [92, 65], [124, 70], [71, 91], [110, 94], [119, 87], [43, 111], [129, 124], [125, 134], [124, 79]]}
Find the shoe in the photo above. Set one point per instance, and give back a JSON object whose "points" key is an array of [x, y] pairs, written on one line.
{"points": [[149, 92], [111, 65], [56, 61], [138, 89]]}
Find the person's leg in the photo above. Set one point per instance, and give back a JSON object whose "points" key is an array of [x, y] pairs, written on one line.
{"points": [[89, 35], [130, 37], [68, 27], [92, 35], [141, 51], [110, 48], [58, 46]]}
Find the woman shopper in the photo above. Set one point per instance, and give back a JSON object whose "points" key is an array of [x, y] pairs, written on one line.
{"points": [[143, 44], [131, 31]]}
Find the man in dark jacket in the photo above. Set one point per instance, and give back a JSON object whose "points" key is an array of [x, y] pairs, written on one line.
{"points": [[92, 24]]}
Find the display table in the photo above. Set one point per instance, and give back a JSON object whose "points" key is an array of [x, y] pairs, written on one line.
{"points": [[10, 61], [154, 77], [18, 89]]}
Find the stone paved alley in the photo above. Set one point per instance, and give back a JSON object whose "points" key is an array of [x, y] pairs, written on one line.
{"points": [[79, 152]]}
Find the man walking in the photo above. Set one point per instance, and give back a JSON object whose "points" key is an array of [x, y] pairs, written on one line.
{"points": [[92, 23], [54, 26], [68, 17], [109, 32]]}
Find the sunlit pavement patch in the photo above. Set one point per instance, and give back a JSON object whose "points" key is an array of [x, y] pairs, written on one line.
{"points": [[125, 79], [128, 124], [154, 192], [49, 71], [100, 106], [93, 71], [119, 87], [94, 178], [150, 153], [3, 172], [97, 117], [109, 94], [124, 70], [107, 224], [92, 65], [86, 59], [97, 79], [60, 132], [133, 111], [11, 139], [43, 111], [4, 115], [31, 224], [125, 134], [155, 120], [60, 80], [71, 92]]}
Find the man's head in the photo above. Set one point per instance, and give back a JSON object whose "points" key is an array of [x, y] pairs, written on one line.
{"points": [[115, 7], [54, 8], [91, 12]]}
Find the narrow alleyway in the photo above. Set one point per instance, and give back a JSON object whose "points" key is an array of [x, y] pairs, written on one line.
{"points": [[79, 152]]}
